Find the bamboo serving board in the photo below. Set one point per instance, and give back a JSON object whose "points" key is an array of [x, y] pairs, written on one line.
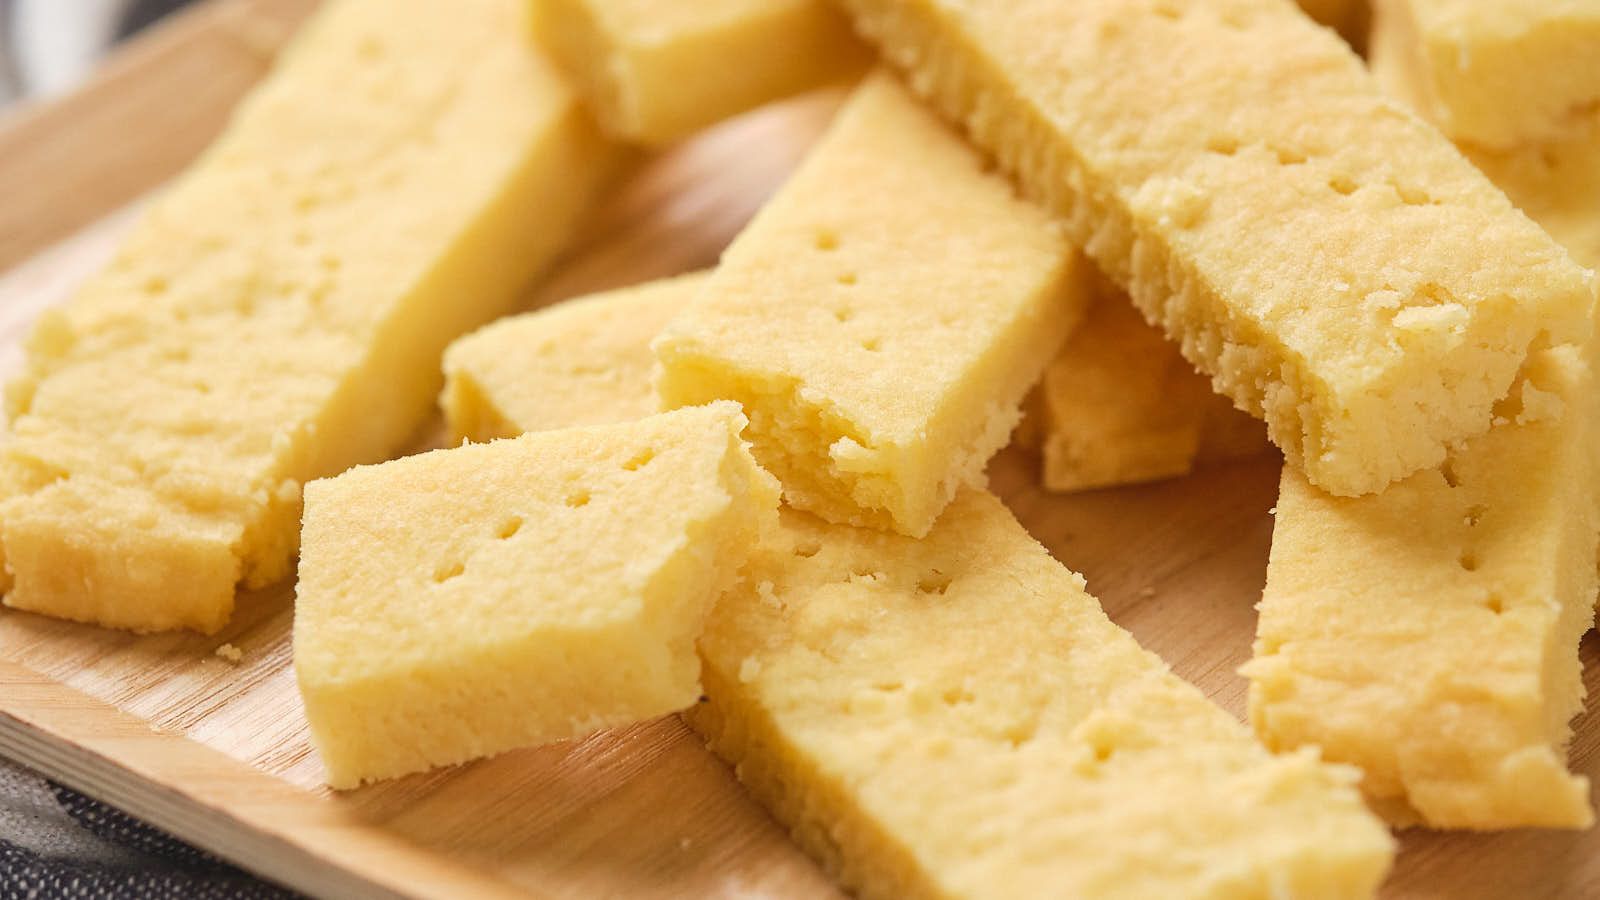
{"points": [[218, 753]]}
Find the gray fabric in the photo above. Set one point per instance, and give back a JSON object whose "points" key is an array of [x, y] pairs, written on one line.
{"points": [[32, 820], [56, 844]]}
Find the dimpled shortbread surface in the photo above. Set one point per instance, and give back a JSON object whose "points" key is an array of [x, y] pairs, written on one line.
{"points": [[582, 362], [881, 318], [1429, 634], [279, 312], [1497, 74], [956, 717], [656, 70], [1120, 405], [467, 601], [1327, 257]]}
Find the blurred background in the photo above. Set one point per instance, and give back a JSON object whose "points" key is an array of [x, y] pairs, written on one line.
{"points": [[48, 46]]}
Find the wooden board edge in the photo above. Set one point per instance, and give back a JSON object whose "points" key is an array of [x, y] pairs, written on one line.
{"points": [[310, 843]]}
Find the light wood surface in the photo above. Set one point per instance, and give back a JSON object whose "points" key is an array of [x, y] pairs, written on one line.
{"points": [[217, 752]]}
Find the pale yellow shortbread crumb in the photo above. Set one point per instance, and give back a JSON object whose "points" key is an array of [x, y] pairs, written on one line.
{"points": [[956, 717], [229, 652], [657, 70], [881, 318], [468, 601], [1497, 74], [582, 362], [279, 312], [1429, 634], [1325, 255]]}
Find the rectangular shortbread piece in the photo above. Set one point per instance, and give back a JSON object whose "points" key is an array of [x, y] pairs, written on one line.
{"points": [[1327, 257], [1120, 405], [582, 362], [657, 70], [468, 601], [956, 717], [881, 318], [1497, 74], [279, 312], [1429, 634]]}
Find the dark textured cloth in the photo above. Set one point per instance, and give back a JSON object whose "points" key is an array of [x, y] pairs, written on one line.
{"points": [[57, 843]]}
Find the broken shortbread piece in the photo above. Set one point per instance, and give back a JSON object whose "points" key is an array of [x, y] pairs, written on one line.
{"points": [[881, 318], [469, 601]]}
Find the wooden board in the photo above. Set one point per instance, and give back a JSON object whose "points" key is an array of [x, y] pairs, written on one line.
{"points": [[218, 752]]}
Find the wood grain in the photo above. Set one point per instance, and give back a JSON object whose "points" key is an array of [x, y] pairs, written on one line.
{"points": [[218, 752]]}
